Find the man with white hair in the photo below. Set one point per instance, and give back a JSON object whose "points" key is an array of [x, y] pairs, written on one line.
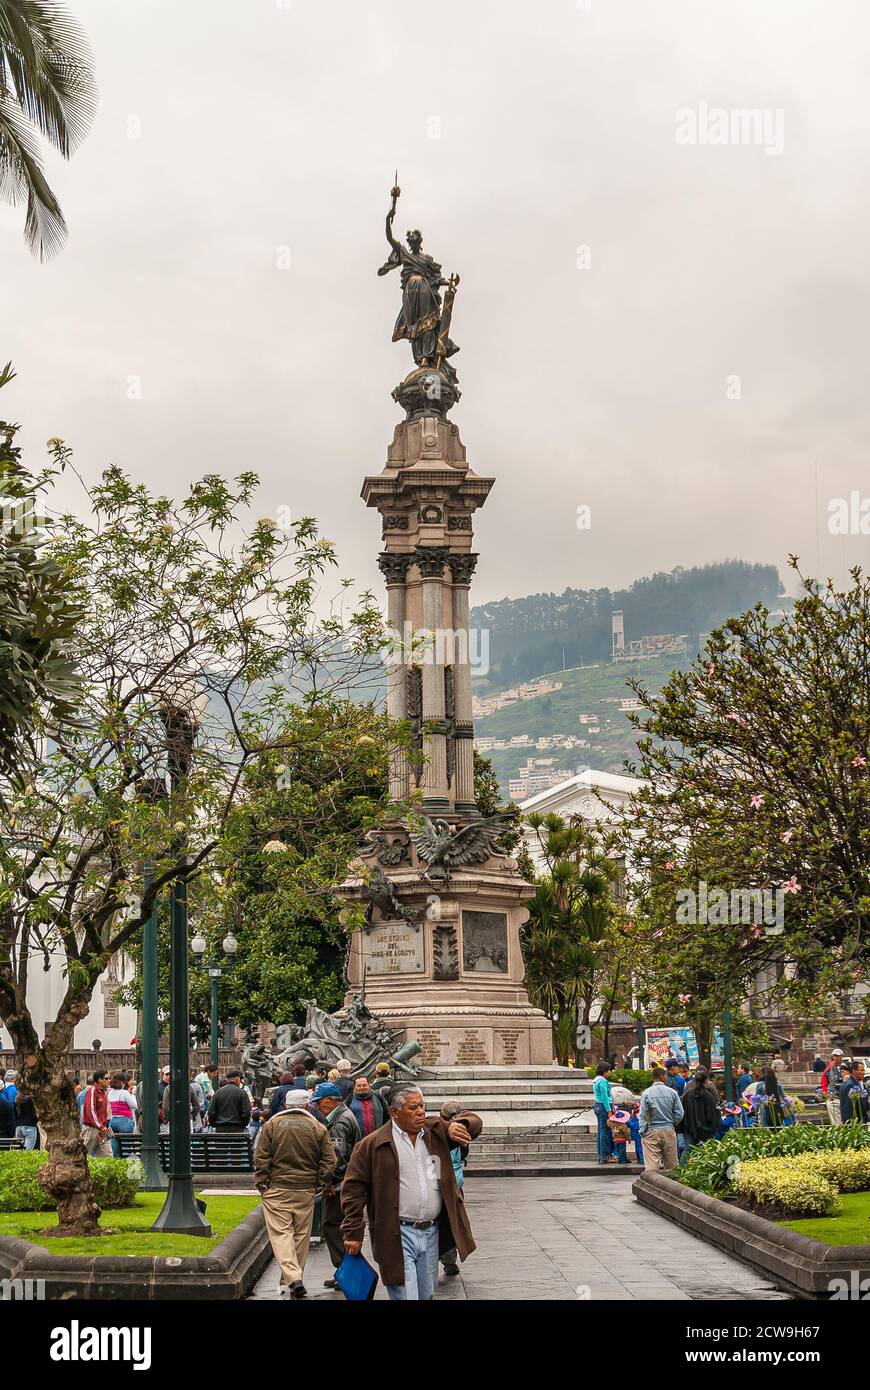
{"points": [[345, 1080], [294, 1157]]}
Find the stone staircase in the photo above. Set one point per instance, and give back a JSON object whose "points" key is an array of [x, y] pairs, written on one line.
{"points": [[534, 1117]]}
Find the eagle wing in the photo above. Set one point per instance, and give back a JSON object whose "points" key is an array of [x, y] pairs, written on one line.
{"points": [[426, 841], [473, 843]]}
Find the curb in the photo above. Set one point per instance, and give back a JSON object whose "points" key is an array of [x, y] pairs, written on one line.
{"points": [[227, 1273], [796, 1263]]}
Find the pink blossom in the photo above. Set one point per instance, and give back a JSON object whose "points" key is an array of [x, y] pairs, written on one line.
{"points": [[756, 801], [757, 932], [787, 836], [860, 761], [684, 998], [669, 864], [733, 716], [791, 885]]}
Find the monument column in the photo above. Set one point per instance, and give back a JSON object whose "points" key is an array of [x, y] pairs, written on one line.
{"points": [[394, 567], [462, 567], [431, 561]]}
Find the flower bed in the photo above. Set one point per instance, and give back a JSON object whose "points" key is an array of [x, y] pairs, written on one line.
{"points": [[711, 1167]]}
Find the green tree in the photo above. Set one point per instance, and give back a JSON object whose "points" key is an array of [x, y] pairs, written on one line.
{"points": [[569, 920], [46, 89], [38, 612], [182, 602]]}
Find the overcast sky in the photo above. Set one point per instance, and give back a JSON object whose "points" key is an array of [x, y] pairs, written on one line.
{"points": [[522, 131]]}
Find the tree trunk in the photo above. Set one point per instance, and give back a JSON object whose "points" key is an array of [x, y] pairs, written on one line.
{"points": [[704, 1037], [65, 1176]]}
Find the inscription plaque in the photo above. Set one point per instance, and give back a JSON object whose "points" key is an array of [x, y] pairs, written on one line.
{"points": [[393, 948]]}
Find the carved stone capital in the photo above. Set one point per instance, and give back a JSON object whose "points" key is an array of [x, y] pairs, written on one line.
{"points": [[394, 565], [462, 567], [431, 560]]}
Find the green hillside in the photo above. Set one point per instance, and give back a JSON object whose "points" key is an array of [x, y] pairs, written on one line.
{"points": [[592, 690]]}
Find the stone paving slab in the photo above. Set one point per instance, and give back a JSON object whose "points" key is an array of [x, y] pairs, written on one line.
{"points": [[569, 1239]]}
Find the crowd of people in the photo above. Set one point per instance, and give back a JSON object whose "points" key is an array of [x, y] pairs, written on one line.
{"points": [[680, 1110]]}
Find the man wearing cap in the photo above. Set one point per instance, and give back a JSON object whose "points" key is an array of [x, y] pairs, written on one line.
{"points": [[383, 1078], [343, 1131], [403, 1175], [832, 1079], [293, 1158], [661, 1110]]}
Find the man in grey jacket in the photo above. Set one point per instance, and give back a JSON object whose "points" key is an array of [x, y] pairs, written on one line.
{"points": [[344, 1135], [660, 1112]]}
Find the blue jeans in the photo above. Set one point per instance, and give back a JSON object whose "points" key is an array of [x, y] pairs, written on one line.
{"points": [[421, 1265], [29, 1134], [120, 1124], [605, 1138]]}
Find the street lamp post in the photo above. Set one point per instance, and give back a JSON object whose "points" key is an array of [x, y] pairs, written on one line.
{"points": [[216, 968], [181, 717], [154, 1178]]}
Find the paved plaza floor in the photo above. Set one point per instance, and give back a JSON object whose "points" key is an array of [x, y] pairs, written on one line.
{"points": [[562, 1238]]}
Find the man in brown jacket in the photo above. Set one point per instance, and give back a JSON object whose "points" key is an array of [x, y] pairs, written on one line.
{"points": [[404, 1175], [293, 1158]]}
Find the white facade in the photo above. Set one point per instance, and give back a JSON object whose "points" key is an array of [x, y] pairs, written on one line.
{"points": [[113, 1024], [577, 797]]}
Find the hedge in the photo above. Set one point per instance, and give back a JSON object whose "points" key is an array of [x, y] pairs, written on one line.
{"points": [[790, 1183], [115, 1181], [635, 1081], [711, 1167]]}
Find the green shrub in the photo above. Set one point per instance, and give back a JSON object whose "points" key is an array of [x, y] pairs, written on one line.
{"points": [[635, 1081], [848, 1170], [791, 1183], [710, 1167], [115, 1181]]}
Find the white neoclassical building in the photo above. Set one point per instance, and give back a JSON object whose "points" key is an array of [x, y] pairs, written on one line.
{"points": [[596, 796]]}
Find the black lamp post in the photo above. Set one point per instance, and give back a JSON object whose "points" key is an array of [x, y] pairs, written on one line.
{"points": [[181, 715], [216, 968], [154, 1179]]}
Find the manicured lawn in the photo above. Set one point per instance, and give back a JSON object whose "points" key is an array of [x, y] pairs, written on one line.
{"points": [[132, 1224], [851, 1227]]}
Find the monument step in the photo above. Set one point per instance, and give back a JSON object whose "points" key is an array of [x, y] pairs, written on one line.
{"points": [[519, 1073], [476, 1101], [527, 1086]]}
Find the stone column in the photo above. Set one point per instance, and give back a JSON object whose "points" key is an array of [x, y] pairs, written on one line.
{"points": [[394, 567], [436, 792], [462, 568]]}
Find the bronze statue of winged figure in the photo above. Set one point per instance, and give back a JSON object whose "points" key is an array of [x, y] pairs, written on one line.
{"points": [[442, 849]]}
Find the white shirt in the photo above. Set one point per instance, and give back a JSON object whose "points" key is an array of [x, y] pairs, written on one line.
{"points": [[419, 1198]]}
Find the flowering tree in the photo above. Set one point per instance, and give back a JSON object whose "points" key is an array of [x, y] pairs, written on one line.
{"points": [[195, 623], [757, 782]]}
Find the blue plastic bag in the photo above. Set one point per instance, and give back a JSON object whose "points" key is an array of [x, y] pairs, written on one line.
{"points": [[356, 1279]]}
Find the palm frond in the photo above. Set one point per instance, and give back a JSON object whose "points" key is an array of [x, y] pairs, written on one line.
{"points": [[21, 177], [46, 68]]}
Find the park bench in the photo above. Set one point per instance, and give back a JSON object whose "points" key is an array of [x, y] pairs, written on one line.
{"points": [[11, 1144], [209, 1153]]}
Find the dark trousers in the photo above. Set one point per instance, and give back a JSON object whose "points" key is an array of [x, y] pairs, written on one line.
{"points": [[330, 1228]]}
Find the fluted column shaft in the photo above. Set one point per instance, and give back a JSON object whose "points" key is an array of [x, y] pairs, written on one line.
{"points": [[462, 568]]}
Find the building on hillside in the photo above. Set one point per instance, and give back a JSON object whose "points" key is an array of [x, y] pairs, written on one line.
{"points": [[599, 797]]}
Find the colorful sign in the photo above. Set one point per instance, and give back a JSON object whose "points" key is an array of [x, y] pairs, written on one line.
{"points": [[680, 1042]]}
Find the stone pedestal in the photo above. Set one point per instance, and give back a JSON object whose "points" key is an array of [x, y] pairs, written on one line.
{"points": [[452, 977]]}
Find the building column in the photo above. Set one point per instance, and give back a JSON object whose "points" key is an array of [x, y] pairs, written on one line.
{"points": [[394, 567], [462, 568], [430, 561]]}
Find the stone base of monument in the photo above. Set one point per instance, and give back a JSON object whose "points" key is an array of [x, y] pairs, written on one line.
{"points": [[532, 1115], [465, 1035]]}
